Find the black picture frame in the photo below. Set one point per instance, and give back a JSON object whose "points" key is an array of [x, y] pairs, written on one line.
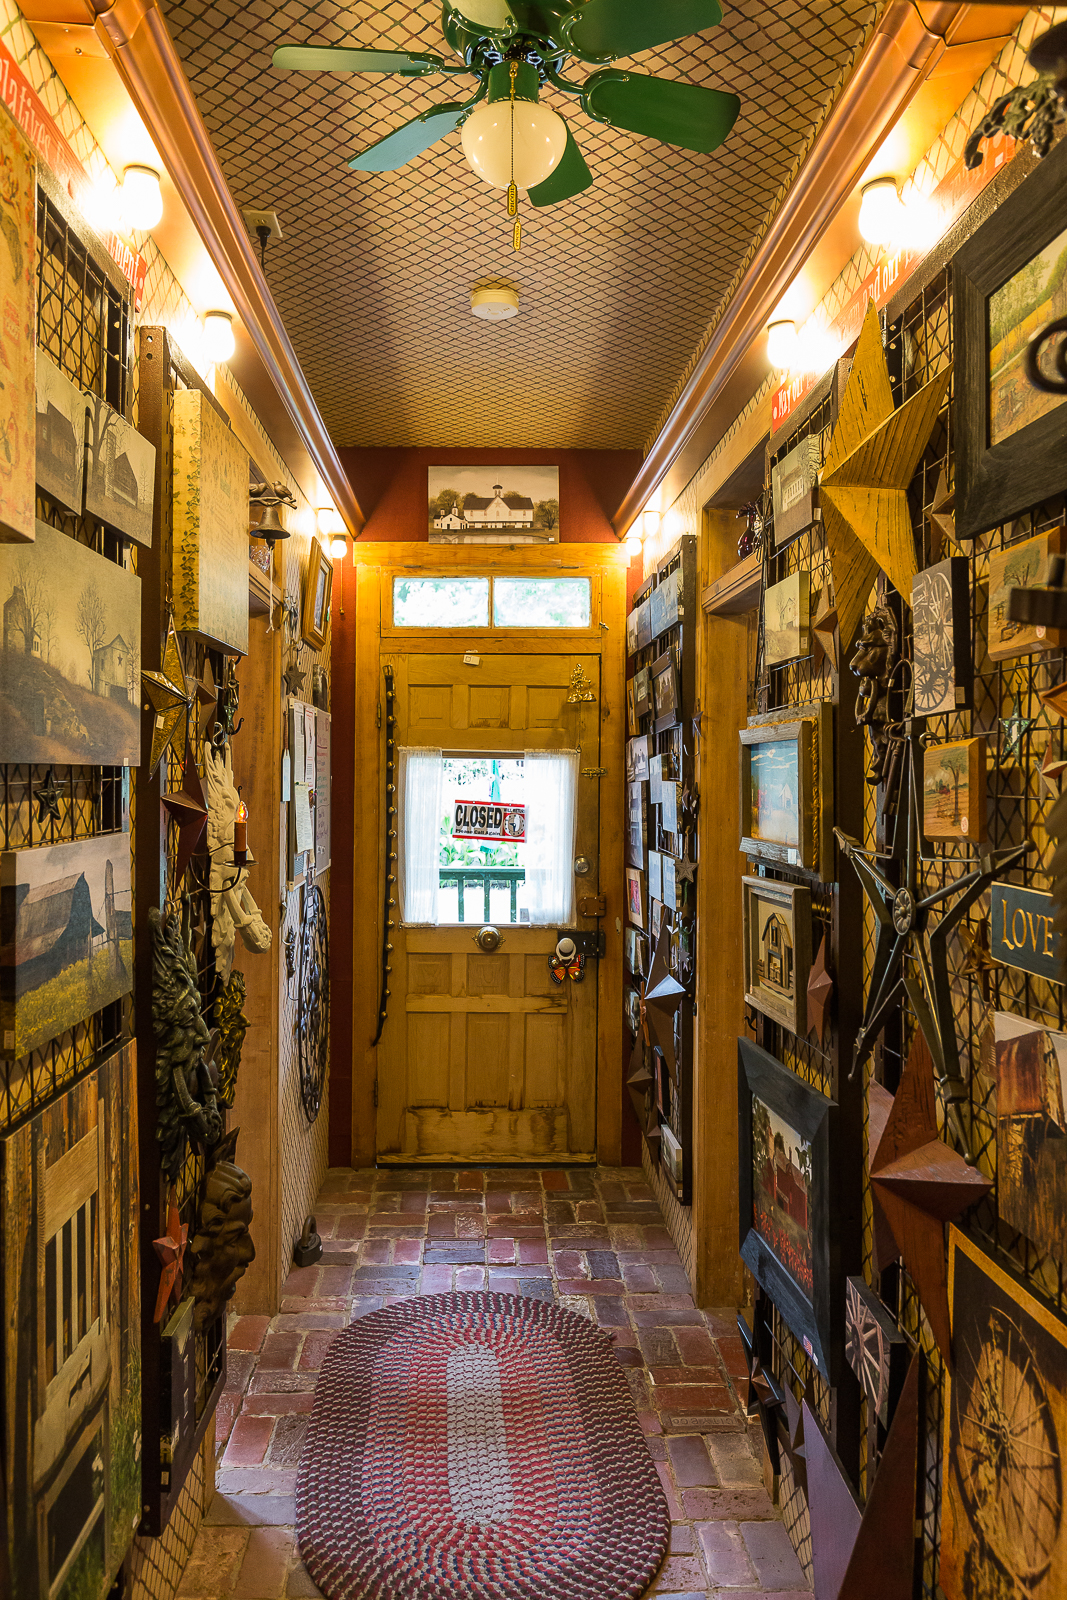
{"points": [[814, 1318], [995, 483]]}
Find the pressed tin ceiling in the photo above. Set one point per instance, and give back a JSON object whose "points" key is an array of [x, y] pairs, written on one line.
{"points": [[617, 285]]}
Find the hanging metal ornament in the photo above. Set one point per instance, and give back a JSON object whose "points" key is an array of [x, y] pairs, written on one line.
{"points": [[169, 696], [313, 1001], [390, 854]]}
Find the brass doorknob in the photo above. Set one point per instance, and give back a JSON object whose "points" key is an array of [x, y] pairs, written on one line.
{"points": [[488, 938]]}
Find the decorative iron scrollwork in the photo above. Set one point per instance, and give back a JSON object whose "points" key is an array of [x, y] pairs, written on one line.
{"points": [[313, 1001], [390, 853]]}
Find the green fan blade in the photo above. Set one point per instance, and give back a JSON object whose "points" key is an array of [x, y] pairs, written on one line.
{"points": [[316, 58], [405, 143], [678, 113], [495, 15], [570, 177], [604, 29]]}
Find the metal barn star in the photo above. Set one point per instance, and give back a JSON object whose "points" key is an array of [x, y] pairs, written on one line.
{"points": [[977, 962], [293, 678], [1014, 727], [662, 996], [872, 458], [820, 993], [170, 1250], [46, 798], [910, 956], [186, 807], [1051, 773], [170, 698]]}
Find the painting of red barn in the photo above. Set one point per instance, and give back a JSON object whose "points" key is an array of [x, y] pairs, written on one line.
{"points": [[66, 937], [1031, 1067], [781, 1179]]}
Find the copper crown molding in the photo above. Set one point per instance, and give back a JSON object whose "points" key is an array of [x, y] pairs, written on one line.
{"points": [[135, 36], [900, 55]]}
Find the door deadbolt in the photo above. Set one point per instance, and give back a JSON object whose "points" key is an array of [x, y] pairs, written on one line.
{"points": [[582, 867], [488, 938]]}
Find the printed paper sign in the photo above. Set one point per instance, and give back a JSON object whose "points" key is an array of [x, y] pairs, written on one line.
{"points": [[488, 819]]}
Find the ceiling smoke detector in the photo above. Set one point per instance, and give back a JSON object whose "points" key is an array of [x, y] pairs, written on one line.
{"points": [[495, 305]]}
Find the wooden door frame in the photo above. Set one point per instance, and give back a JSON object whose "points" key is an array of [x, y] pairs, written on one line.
{"points": [[375, 564]]}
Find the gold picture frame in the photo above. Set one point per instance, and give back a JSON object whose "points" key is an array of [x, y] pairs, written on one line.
{"points": [[787, 794], [318, 586]]}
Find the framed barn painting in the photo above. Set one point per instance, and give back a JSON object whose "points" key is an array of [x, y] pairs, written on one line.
{"points": [[70, 672], [954, 790], [776, 923], [1005, 1420], [786, 1220], [1031, 1072], [1008, 280], [786, 619], [211, 479], [60, 436], [787, 788], [72, 1356], [1021, 566], [942, 666], [493, 505], [66, 937], [18, 293], [318, 585], [120, 480]]}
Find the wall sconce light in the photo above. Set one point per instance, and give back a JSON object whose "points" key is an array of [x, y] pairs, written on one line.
{"points": [[142, 198], [218, 335], [650, 524], [881, 212], [338, 546], [782, 344], [633, 546]]}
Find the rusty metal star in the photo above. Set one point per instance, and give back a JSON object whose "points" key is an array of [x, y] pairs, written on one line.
{"points": [[170, 1250], [46, 798]]}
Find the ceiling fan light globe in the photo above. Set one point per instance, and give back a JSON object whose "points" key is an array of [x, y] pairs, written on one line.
{"points": [[540, 140]]}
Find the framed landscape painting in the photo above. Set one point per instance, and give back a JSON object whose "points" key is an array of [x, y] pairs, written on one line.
{"points": [[66, 937], [786, 1220], [954, 790], [493, 505], [71, 664], [60, 436], [120, 479], [786, 619], [787, 788]]}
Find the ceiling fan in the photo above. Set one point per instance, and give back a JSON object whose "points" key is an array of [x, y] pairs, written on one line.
{"points": [[514, 46]]}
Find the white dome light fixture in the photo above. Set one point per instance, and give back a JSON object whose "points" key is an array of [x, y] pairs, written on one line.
{"points": [[782, 344], [219, 342], [881, 212], [142, 198], [540, 138], [495, 305]]}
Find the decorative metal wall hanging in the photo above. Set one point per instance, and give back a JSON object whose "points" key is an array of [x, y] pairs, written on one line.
{"points": [[171, 1251], [187, 809], [911, 951], [290, 955], [228, 699], [46, 797], [877, 1351], [313, 1001], [390, 852], [221, 1244], [186, 1100], [232, 1025], [233, 910], [581, 688], [1039, 375], [820, 993], [270, 496], [872, 458], [1029, 111], [874, 662], [168, 694]]}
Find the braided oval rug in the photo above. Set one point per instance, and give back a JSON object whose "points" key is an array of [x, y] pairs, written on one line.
{"points": [[477, 1447]]}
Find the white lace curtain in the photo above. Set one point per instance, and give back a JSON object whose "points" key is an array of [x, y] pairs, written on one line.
{"points": [[551, 784], [421, 798]]}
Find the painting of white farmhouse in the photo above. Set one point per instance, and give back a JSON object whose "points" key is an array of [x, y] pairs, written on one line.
{"points": [[66, 937], [60, 435], [494, 505], [70, 670], [121, 475]]}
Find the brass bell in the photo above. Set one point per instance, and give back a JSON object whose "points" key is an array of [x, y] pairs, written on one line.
{"points": [[271, 526]]}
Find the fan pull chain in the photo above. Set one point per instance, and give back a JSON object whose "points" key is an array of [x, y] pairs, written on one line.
{"points": [[513, 190]]}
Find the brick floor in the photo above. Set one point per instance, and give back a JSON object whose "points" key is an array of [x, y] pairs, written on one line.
{"points": [[593, 1239]]}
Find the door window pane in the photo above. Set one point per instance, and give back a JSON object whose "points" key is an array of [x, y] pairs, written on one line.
{"points": [[482, 863], [542, 602], [441, 602]]}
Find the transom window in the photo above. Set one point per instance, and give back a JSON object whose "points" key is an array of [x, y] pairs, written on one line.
{"points": [[447, 602]]}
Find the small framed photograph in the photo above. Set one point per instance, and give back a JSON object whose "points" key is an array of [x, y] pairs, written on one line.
{"points": [[633, 1006], [787, 788], [665, 696], [786, 1223], [671, 1157], [655, 875], [318, 584], [631, 633], [776, 924], [635, 897], [942, 666], [638, 755], [643, 612], [1006, 284], [642, 682], [632, 723], [786, 619], [1021, 566], [954, 790], [636, 824]]}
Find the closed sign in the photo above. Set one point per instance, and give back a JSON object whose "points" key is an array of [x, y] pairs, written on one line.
{"points": [[488, 819]]}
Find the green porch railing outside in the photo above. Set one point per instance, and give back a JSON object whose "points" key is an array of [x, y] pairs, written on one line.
{"points": [[485, 878]]}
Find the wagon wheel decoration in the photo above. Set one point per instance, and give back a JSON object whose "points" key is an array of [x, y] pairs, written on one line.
{"points": [[865, 1349], [313, 1001], [933, 635], [1008, 1459]]}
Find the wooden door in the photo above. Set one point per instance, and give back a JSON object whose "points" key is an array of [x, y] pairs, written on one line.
{"points": [[483, 1057]]}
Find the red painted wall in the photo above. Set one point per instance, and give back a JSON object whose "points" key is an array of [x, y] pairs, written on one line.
{"points": [[391, 488]]}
